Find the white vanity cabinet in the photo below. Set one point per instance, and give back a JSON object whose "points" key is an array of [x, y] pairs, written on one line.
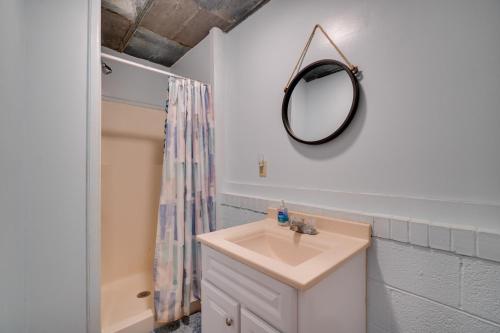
{"points": [[250, 323], [238, 298], [222, 314]]}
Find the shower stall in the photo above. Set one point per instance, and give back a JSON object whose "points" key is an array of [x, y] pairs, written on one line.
{"points": [[132, 154], [131, 164]]}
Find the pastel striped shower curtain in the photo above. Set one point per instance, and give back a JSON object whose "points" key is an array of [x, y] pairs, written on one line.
{"points": [[187, 199]]}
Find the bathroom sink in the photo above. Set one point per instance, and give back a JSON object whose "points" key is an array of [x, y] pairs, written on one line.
{"points": [[299, 260], [288, 248]]}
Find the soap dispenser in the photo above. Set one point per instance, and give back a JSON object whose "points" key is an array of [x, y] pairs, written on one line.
{"points": [[283, 215]]}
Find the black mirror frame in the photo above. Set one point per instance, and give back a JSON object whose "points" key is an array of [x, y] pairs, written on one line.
{"points": [[295, 81]]}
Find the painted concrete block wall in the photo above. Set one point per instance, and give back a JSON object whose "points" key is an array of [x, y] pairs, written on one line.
{"points": [[423, 143], [411, 287]]}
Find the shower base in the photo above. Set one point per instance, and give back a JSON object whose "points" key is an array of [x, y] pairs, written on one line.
{"points": [[122, 311]]}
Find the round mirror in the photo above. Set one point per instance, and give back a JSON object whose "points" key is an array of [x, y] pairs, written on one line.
{"points": [[320, 102]]}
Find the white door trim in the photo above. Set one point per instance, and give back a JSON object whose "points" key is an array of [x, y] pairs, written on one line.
{"points": [[93, 204]]}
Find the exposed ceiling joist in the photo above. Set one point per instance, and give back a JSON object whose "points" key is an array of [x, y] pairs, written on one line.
{"points": [[138, 19]]}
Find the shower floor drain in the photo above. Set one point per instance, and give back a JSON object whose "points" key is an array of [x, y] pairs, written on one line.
{"points": [[143, 294]]}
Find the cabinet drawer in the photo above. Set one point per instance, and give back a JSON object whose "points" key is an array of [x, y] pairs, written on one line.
{"points": [[269, 299], [250, 323], [219, 312]]}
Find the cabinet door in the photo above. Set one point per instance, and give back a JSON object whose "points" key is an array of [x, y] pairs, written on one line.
{"points": [[272, 301], [219, 312], [250, 323]]}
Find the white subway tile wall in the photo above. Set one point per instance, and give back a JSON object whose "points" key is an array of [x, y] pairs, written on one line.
{"points": [[422, 276]]}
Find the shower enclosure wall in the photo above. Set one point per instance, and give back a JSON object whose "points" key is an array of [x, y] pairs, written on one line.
{"points": [[132, 152]]}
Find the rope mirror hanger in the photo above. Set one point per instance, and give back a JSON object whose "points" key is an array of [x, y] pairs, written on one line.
{"points": [[352, 68]]}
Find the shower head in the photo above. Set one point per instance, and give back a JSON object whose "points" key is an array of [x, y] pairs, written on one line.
{"points": [[106, 70]]}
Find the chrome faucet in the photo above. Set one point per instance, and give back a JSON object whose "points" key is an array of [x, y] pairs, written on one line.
{"points": [[297, 224]]}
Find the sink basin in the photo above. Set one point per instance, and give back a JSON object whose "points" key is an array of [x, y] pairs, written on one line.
{"points": [[287, 248], [298, 260]]}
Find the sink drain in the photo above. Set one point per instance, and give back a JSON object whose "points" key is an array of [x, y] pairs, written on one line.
{"points": [[143, 294]]}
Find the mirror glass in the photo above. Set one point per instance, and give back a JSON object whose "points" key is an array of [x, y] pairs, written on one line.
{"points": [[320, 102]]}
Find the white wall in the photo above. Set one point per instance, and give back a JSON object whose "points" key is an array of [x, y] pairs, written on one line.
{"points": [[56, 106], [424, 141], [198, 63], [43, 168], [132, 85], [419, 162], [12, 212], [421, 146], [206, 62]]}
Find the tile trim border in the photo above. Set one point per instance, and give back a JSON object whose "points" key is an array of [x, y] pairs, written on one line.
{"points": [[445, 237]]}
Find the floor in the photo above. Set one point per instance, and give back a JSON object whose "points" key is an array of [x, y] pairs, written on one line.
{"points": [[191, 324]]}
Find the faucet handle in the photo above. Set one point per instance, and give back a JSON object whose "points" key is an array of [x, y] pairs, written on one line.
{"points": [[296, 223], [299, 225], [311, 222], [310, 227]]}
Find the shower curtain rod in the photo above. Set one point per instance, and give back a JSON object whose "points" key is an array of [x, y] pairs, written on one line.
{"points": [[135, 64]]}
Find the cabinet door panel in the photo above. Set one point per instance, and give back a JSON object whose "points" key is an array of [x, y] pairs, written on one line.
{"points": [[219, 312], [269, 299], [250, 323]]}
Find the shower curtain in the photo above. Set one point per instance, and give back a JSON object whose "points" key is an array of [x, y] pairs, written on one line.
{"points": [[187, 199]]}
